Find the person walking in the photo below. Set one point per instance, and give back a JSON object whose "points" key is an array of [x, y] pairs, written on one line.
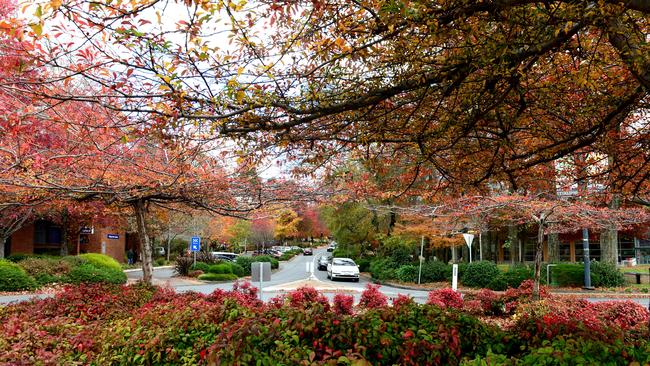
{"points": [[130, 256]]}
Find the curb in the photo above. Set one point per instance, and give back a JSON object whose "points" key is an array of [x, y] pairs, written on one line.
{"points": [[140, 269]]}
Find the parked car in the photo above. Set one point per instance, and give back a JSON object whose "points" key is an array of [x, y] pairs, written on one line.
{"points": [[323, 261], [342, 268], [331, 247], [225, 256], [308, 251], [159, 251]]}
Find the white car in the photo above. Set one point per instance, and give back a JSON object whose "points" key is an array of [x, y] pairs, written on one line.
{"points": [[342, 268]]}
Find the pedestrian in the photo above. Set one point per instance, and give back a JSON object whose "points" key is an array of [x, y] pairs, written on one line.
{"points": [[130, 255]]}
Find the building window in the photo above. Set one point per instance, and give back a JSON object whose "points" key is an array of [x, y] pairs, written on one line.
{"points": [[47, 235]]}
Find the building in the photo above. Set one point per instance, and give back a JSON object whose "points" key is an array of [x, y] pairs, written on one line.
{"points": [[46, 237]]}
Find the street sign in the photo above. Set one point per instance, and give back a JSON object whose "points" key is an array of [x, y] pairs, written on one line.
{"points": [[86, 230], [469, 238], [113, 236], [195, 245], [261, 271]]}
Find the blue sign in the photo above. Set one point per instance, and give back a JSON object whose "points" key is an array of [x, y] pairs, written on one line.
{"points": [[113, 236], [195, 246]]}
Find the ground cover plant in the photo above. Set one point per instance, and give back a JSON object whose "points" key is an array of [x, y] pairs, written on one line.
{"points": [[145, 325], [28, 272]]}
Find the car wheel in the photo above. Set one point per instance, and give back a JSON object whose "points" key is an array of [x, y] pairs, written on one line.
{"points": [[356, 280]]}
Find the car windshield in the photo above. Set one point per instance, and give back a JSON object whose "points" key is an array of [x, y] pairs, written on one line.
{"points": [[344, 262]]}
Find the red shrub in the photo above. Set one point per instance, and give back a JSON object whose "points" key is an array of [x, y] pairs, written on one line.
{"points": [[305, 297], [490, 301], [522, 294], [371, 297], [445, 298], [625, 314], [402, 300], [473, 307], [343, 304]]}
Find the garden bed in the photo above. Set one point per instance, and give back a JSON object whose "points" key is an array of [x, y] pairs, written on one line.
{"points": [[134, 325]]}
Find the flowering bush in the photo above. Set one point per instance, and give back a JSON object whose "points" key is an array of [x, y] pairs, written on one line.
{"points": [[371, 297], [142, 325], [343, 304], [445, 298], [305, 297]]}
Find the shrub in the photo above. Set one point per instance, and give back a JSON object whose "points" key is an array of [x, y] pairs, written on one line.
{"points": [[364, 264], [206, 257], [237, 269], [606, 275], [568, 275], [306, 297], [408, 273], [195, 273], [371, 297], [479, 274], [402, 300], [511, 279], [201, 266], [20, 257], [88, 273], [436, 271], [218, 277], [160, 261], [46, 270], [14, 278], [343, 304], [490, 301], [221, 268], [383, 269], [245, 262], [445, 298], [183, 265], [625, 314], [101, 261]]}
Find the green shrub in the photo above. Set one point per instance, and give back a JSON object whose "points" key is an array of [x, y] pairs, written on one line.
{"points": [[245, 262], [511, 278], [383, 269], [160, 261], [606, 275], [20, 257], [436, 271], [479, 274], [221, 268], [218, 277], [237, 270], [14, 278], [408, 273], [568, 275], [201, 266], [101, 261], [89, 273], [364, 264]]}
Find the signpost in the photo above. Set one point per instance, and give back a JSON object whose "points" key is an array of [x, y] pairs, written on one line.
{"points": [[468, 239], [260, 271], [195, 246], [454, 277], [421, 259]]}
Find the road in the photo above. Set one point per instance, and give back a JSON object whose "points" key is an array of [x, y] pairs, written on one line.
{"points": [[290, 275]]}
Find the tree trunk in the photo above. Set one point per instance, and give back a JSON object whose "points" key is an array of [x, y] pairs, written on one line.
{"points": [[553, 247], [64, 233], [145, 246], [3, 241], [609, 237], [538, 259], [513, 231]]}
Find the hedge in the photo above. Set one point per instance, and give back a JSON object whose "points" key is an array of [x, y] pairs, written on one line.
{"points": [[88, 273], [218, 277], [479, 274], [245, 262], [14, 278], [101, 261]]}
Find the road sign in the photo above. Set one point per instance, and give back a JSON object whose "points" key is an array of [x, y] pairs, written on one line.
{"points": [[195, 245], [113, 236], [469, 238]]}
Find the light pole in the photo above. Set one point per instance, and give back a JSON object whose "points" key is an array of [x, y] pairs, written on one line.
{"points": [[587, 261]]}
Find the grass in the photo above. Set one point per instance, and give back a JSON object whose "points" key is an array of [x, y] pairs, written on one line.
{"points": [[642, 268]]}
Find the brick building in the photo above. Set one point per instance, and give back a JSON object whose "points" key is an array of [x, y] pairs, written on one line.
{"points": [[46, 237]]}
